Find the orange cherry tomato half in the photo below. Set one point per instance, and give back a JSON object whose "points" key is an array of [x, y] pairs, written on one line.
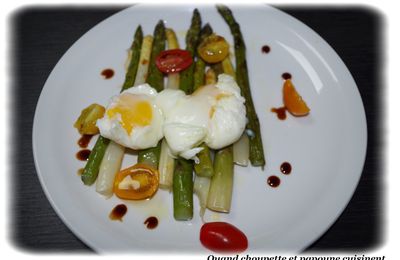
{"points": [[293, 101], [137, 182], [171, 61], [222, 237]]}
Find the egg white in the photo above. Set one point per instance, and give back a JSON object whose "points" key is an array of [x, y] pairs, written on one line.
{"points": [[214, 114], [140, 137], [229, 118]]}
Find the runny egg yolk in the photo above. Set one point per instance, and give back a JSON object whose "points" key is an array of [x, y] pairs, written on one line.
{"points": [[134, 112]]}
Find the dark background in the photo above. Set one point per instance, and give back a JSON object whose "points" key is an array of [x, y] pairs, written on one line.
{"points": [[40, 36]]}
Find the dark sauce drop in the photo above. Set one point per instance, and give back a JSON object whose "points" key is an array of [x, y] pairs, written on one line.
{"points": [[286, 168], [118, 212], [151, 222], [286, 76], [280, 112], [84, 141], [83, 155], [107, 73], [265, 49], [273, 181]]}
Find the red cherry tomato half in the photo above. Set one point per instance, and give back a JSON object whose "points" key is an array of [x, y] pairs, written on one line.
{"points": [[171, 61], [223, 237]]}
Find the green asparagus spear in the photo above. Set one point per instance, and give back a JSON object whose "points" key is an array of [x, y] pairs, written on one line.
{"points": [[156, 77], [242, 78], [134, 63], [204, 167], [200, 66], [199, 73], [205, 32], [92, 167], [192, 39], [156, 80], [183, 175], [183, 189], [150, 156]]}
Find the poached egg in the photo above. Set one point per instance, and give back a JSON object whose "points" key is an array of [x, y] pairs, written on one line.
{"points": [[139, 117]]}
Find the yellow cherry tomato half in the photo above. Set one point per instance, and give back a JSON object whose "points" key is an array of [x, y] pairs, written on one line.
{"points": [[293, 101], [137, 182], [213, 49]]}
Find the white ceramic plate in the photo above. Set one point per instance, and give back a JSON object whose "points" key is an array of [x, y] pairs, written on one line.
{"points": [[326, 149]]}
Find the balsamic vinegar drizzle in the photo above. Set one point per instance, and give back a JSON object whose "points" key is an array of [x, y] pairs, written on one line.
{"points": [[84, 141], [286, 168], [273, 181], [118, 212], [83, 154], [151, 222], [107, 73], [280, 112], [265, 49], [286, 76]]}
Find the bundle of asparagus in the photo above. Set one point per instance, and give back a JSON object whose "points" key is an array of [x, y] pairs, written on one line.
{"points": [[213, 181]]}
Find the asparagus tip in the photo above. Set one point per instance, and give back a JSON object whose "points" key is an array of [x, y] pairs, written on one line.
{"points": [[160, 23]]}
